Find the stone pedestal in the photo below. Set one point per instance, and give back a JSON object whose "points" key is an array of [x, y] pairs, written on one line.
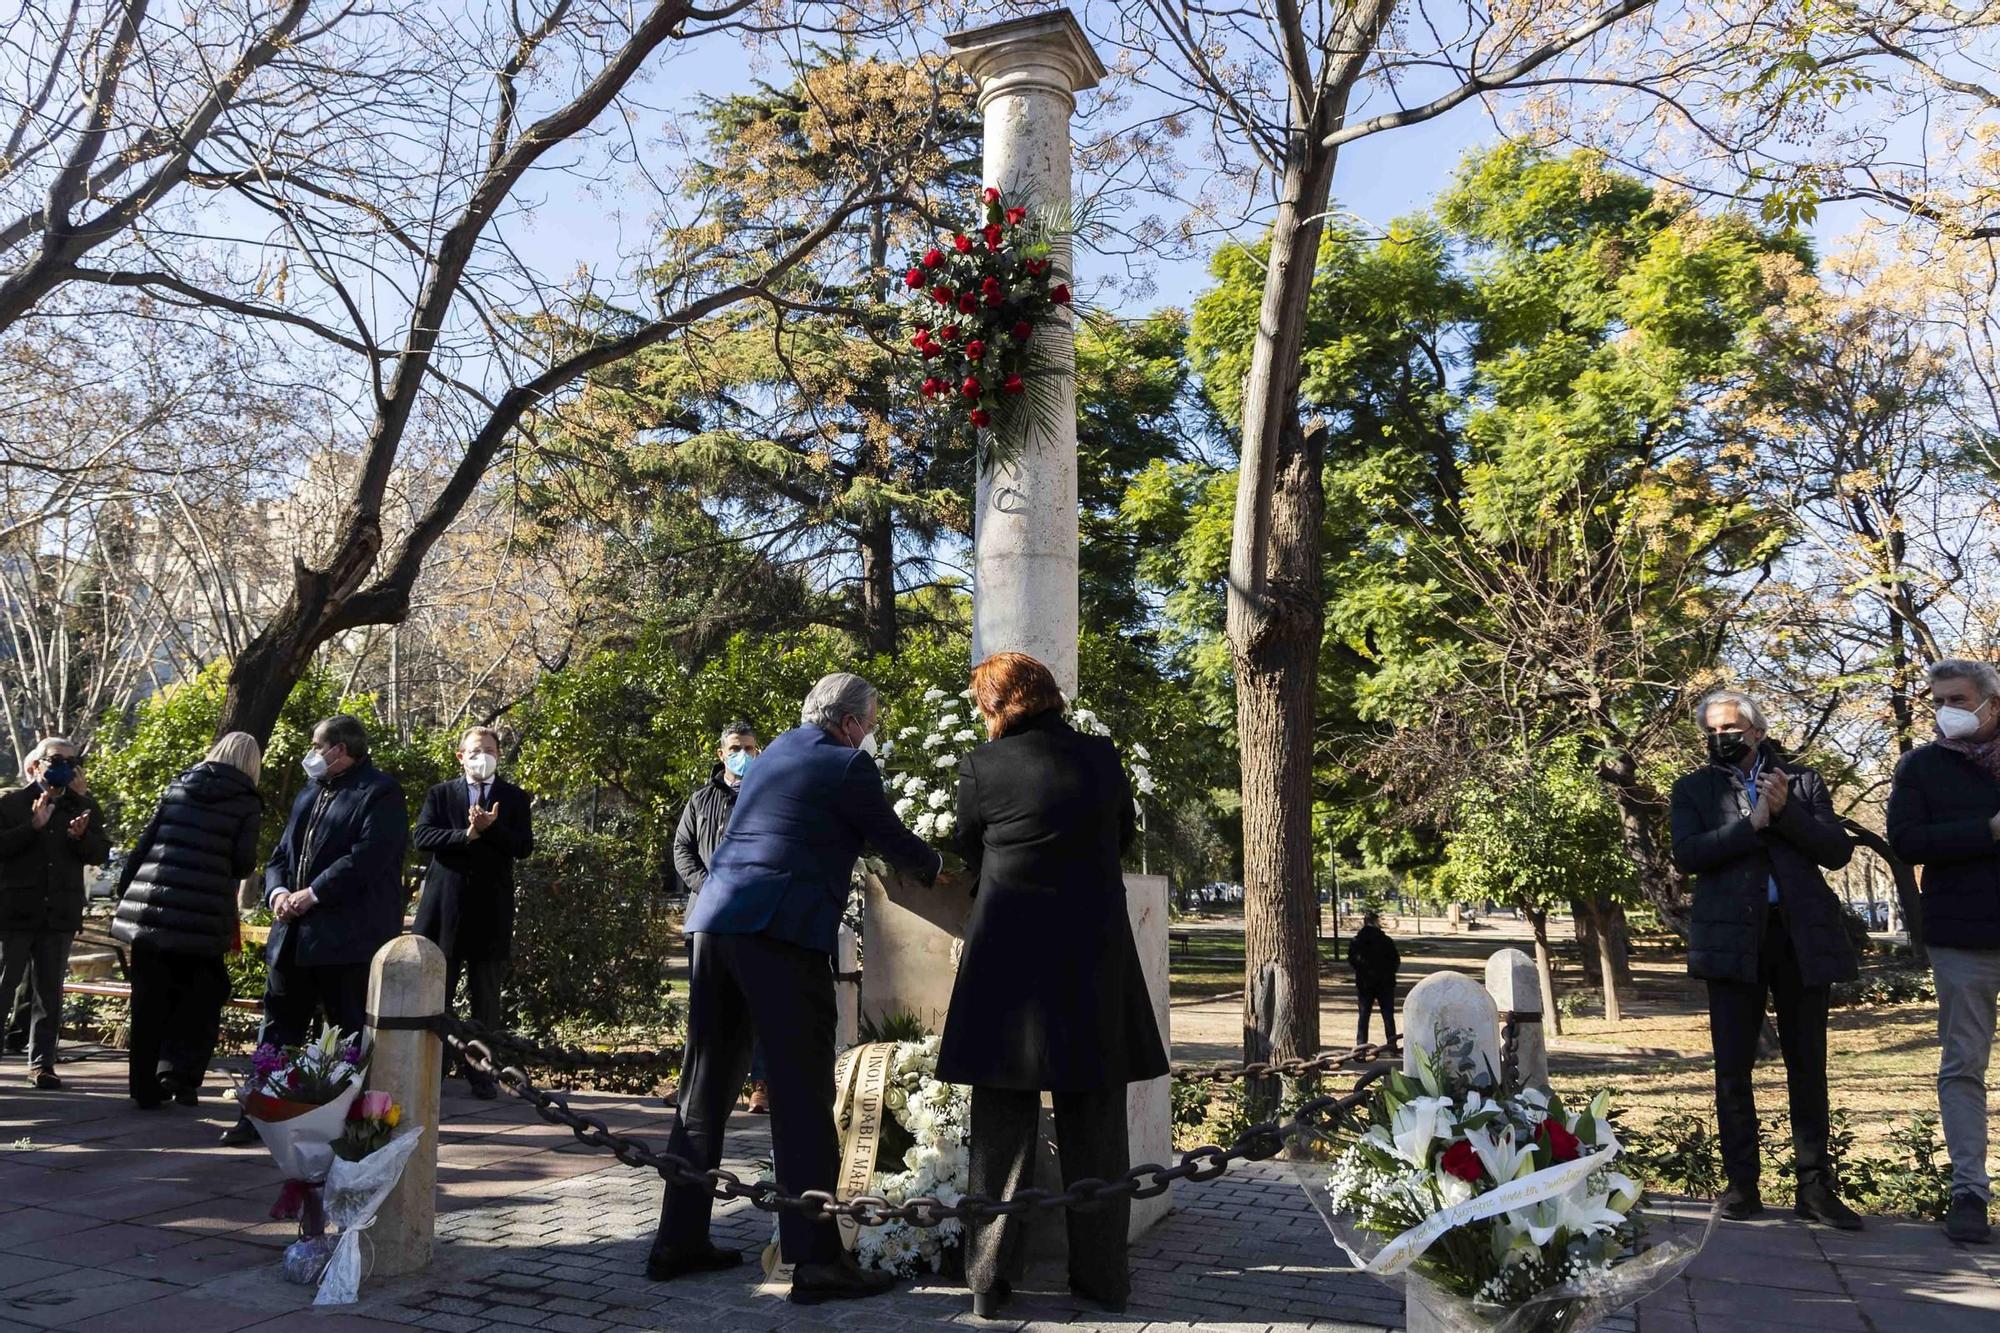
{"points": [[911, 960], [1029, 71]]}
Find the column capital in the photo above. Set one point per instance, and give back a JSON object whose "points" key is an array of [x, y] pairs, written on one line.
{"points": [[1038, 52]]}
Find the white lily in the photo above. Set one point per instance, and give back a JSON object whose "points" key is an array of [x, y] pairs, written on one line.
{"points": [[1503, 1158], [1416, 1124]]}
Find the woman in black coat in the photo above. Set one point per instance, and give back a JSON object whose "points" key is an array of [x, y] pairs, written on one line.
{"points": [[1049, 996], [177, 910]]}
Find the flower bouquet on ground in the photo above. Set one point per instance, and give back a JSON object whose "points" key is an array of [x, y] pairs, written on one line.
{"points": [[1502, 1213], [298, 1099], [368, 1161]]}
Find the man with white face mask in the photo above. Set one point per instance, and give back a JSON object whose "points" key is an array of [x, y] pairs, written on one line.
{"points": [[475, 827], [1944, 815]]}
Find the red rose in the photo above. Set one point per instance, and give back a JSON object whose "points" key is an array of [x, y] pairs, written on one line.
{"points": [[992, 234], [1563, 1146], [941, 294], [950, 333], [963, 244], [990, 195], [996, 299], [1037, 266], [981, 417], [968, 303], [971, 388], [989, 284], [1060, 293], [1015, 216], [1013, 385], [929, 387], [1461, 1161], [914, 279], [919, 338], [933, 257], [1023, 329], [975, 349]]}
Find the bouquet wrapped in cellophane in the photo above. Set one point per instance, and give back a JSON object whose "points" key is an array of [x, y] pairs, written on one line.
{"points": [[297, 1099], [1495, 1213]]}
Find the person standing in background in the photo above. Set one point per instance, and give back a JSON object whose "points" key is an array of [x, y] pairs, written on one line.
{"points": [[177, 909], [475, 828], [703, 820], [50, 829], [1375, 960]]}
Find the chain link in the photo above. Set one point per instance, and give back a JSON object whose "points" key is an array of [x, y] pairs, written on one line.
{"points": [[1258, 1143], [1303, 1067]]}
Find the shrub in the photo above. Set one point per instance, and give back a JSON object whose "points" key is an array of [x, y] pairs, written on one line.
{"points": [[1680, 1154], [592, 941], [1888, 985]]}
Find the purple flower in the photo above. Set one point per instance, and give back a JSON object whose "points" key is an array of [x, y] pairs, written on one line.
{"points": [[352, 1054], [267, 1059]]}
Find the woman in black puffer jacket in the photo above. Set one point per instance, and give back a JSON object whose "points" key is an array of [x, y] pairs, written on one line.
{"points": [[178, 912]]}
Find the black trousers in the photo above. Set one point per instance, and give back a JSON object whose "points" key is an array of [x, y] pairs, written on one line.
{"points": [[483, 978], [745, 987], [294, 993], [42, 957], [177, 1003], [1373, 997], [1091, 1141], [1735, 1020]]}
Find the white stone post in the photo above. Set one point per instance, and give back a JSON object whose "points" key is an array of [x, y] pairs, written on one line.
{"points": [[1516, 989], [406, 980], [846, 990], [1029, 71]]}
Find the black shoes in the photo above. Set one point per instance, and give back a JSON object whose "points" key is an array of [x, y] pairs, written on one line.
{"points": [[182, 1092], [842, 1280], [1965, 1221], [986, 1304], [1740, 1205], [666, 1265], [1109, 1304], [46, 1080], [1816, 1202], [239, 1135]]}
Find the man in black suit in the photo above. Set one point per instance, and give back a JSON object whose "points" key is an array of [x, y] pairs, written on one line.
{"points": [[475, 828], [334, 887]]}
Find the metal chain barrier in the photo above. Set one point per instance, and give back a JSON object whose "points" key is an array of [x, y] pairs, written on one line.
{"points": [[1258, 1143], [568, 1057], [1304, 1067]]}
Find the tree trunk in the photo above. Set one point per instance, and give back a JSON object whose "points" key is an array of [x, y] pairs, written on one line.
{"points": [[1641, 815], [1545, 972], [1607, 933], [1276, 688], [1909, 901], [1601, 931], [878, 583]]}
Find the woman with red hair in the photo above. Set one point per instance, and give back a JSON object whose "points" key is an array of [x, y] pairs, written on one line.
{"points": [[1049, 995]]}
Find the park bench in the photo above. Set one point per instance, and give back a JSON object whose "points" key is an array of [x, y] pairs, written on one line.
{"points": [[95, 948]]}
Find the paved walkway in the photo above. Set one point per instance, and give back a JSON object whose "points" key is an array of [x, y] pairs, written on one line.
{"points": [[111, 1218]]}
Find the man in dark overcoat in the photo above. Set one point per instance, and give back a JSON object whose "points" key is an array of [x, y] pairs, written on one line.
{"points": [[475, 828], [1756, 830]]}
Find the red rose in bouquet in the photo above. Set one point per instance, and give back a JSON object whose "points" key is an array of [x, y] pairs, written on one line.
{"points": [[1462, 1161], [1563, 1146]]}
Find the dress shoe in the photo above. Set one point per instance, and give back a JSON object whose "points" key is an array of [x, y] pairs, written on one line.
{"points": [[178, 1089], [1740, 1205], [1965, 1221], [1817, 1202], [186, 1096], [46, 1080], [666, 1265], [150, 1103], [239, 1135], [986, 1304], [1108, 1304], [842, 1280]]}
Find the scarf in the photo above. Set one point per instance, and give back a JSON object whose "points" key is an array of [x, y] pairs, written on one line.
{"points": [[1986, 754]]}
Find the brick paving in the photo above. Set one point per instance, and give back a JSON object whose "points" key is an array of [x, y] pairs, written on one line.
{"points": [[112, 1218]]}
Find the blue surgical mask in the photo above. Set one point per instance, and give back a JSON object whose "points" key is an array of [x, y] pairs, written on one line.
{"points": [[738, 763], [58, 773]]}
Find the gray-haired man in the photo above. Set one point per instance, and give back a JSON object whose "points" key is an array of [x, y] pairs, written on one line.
{"points": [[1944, 815], [1755, 829], [763, 927]]}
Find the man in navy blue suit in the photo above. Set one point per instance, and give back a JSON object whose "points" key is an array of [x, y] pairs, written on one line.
{"points": [[764, 927]]}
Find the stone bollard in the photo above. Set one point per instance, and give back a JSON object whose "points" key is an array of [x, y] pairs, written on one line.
{"points": [[1517, 990], [406, 982], [1451, 1016]]}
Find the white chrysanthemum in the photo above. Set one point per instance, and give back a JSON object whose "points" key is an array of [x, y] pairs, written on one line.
{"points": [[940, 799], [906, 733], [967, 736], [945, 761], [932, 741], [1143, 776], [903, 808], [933, 694], [1140, 752]]}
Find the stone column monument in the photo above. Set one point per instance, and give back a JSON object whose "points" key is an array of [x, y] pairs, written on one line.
{"points": [[1024, 540]]}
